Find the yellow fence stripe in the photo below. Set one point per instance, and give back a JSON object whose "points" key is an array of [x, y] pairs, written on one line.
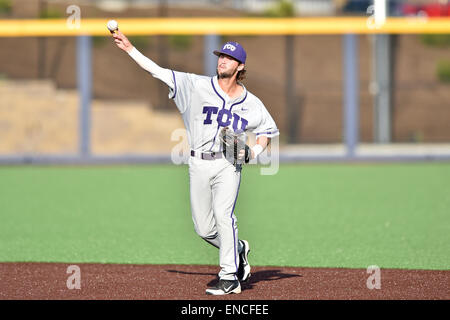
{"points": [[230, 26]]}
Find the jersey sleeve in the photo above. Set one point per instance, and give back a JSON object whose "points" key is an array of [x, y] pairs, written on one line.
{"points": [[266, 126], [165, 75], [183, 88]]}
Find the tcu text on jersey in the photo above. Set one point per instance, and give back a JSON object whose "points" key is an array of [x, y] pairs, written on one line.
{"points": [[224, 118]]}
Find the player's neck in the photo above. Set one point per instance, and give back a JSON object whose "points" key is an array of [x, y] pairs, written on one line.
{"points": [[230, 86]]}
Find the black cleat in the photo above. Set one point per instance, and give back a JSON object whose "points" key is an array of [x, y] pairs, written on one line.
{"points": [[225, 287], [244, 267]]}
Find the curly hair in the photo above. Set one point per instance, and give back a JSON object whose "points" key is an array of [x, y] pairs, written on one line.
{"points": [[241, 75]]}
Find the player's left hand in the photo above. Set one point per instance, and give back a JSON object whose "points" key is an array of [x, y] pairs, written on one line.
{"points": [[235, 146]]}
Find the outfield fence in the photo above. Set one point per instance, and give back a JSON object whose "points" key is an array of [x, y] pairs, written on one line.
{"points": [[350, 29]]}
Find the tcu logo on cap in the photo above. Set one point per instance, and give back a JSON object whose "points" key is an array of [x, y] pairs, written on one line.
{"points": [[229, 46]]}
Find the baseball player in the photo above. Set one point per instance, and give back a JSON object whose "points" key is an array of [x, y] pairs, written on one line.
{"points": [[213, 110]]}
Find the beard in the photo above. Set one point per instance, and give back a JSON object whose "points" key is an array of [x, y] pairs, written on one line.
{"points": [[226, 75]]}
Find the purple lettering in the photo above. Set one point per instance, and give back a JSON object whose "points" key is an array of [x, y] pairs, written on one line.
{"points": [[220, 120], [244, 124], [236, 119], [209, 111]]}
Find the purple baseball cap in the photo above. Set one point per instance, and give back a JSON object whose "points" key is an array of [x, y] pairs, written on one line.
{"points": [[234, 50]]}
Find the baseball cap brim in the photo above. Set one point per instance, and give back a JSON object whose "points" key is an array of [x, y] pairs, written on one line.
{"points": [[218, 53]]}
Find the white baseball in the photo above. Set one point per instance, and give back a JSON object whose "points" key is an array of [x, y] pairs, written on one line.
{"points": [[112, 25]]}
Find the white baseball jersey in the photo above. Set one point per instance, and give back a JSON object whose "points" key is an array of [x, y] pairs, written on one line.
{"points": [[206, 108], [214, 184]]}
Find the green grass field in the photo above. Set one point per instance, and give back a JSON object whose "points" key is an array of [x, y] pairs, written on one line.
{"points": [[322, 215]]}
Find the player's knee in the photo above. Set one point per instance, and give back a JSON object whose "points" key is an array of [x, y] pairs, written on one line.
{"points": [[206, 233], [213, 239]]}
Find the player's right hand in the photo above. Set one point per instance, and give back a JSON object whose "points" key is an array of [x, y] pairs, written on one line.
{"points": [[121, 41]]}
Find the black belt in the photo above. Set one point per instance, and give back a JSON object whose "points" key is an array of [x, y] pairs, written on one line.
{"points": [[207, 155]]}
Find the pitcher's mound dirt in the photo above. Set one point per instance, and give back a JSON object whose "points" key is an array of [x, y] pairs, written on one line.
{"points": [[188, 282]]}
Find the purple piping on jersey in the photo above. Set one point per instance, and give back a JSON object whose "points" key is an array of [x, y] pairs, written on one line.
{"points": [[235, 104], [212, 82], [267, 132], [232, 226], [175, 83], [223, 107]]}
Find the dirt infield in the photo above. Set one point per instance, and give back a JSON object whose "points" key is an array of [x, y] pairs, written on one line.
{"points": [[187, 282]]}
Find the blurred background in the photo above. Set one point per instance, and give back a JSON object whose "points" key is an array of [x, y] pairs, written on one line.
{"points": [[397, 103]]}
